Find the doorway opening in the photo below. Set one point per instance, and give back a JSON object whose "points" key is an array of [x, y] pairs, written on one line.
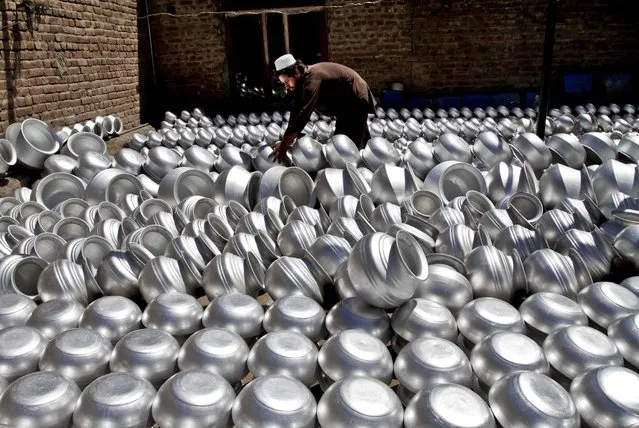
{"points": [[256, 37]]}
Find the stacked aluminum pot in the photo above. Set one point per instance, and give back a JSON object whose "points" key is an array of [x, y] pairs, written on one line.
{"points": [[457, 272]]}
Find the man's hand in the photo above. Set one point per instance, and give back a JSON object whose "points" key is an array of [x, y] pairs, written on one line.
{"points": [[279, 150]]}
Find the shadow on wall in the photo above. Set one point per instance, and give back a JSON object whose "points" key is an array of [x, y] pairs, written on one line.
{"points": [[149, 108], [11, 67]]}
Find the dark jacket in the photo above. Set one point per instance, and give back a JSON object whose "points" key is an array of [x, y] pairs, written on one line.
{"points": [[331, 89]]}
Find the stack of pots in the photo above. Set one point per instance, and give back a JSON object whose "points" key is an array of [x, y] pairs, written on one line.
{"points": [[194, 280]]}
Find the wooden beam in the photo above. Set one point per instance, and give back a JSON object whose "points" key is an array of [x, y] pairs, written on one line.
{"points": [[287, 45], [265, 39]]}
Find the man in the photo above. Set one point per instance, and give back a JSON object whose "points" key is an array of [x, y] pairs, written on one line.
{"points": [[331, 89]]}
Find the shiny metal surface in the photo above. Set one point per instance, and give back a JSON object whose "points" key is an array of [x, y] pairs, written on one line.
{"points": [[545, 312], [486, 315], [149, 353], [573, 350], [360, 401], [355, 313], [532, 399], [112, 316], [15, 310], [20, 351], [429, 361], [115, 399], [285, 352], [605, 302], [44, 399], [605, 397], [178, 314], [296, 313], [194, 398], [82, 355], [55, 316], [422, 317], [274, 400], [236, 312], [448, 406]]}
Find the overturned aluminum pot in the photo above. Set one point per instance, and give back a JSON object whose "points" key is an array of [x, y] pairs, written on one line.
{"points": [[160, 275], [297, 313], [545, 312], [24, 404], [355, 313], [218, 351], [605, 302], [15, 310], [236, 312], [103, 402], [341, 404], [55, 316], [289, 275], [149, 353]]}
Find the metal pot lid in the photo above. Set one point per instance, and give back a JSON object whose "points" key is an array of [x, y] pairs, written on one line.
{"points": [[448, 406], [355, 313], [216, 350], [421, 317], [487, 315], [269, 400], [360, 401], [573, 350], [354, 352], [546, 312], [532, 399], [504, 353], [606, 397], [624, 332], [604, 302], [429, 361]]}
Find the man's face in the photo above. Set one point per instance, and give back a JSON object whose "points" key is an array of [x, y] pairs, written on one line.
{"points": [[289, 82]]}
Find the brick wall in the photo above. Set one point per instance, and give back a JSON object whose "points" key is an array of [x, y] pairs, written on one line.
{"points": [[189, 55], [477, 44], [80, 61]]}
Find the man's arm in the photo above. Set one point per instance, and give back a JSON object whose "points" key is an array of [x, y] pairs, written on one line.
{"points": [[299, 118]]}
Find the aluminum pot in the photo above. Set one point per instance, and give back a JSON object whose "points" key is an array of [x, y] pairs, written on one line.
{"points": [[15, 310], [342, 406], [274, 400], [573, 350], [236, 312], [112, 316], [111, 185], [183, 182], [115, 399], [289, 275], [160, 275], [484, 316], [447, 287], [355, 313], [56, 316], [545, 312], [285, 352], [452, 178], [24, 404], [354, 353], [178, 314], [448, 406], [228, 273], [296, 313], [600, 397], [491, 273], [81, 355], [56, 188], [63, 279], [605, 302], [90, 164], [421, 317], [532, 399], [149, 353], [504, 353], [194, 398], [83, 142], [20, 351], [624, 332], [427, 362], [390, 269], [217, 351], [35, 142]]}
